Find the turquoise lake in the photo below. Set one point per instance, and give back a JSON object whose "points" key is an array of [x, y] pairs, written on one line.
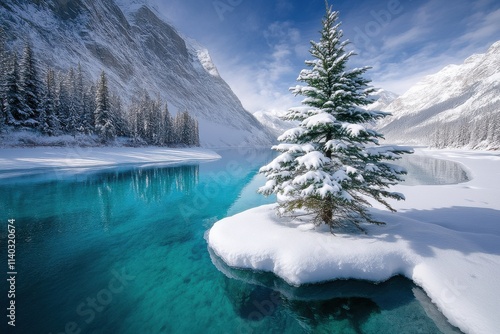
{"points": [[122, 250]]}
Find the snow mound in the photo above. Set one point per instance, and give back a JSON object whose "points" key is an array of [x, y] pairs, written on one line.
{"points": [[445, 238]]}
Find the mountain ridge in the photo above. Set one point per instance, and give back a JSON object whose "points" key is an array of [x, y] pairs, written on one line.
{"points": [[138, 50], [459, 106]]}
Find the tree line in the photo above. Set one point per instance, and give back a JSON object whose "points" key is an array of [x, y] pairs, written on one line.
{"points": [[470, 131], [67, 103]]}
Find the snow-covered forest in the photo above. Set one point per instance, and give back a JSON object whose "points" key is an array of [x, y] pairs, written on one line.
{"points": [[469, 132], [35, 99]]}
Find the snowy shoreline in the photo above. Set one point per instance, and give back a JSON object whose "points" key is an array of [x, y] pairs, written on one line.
{"points": [[445, 238], [12, 159]]}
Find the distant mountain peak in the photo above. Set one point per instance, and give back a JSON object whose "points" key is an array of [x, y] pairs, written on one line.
{"points": [[382, 99], [458, 97]]}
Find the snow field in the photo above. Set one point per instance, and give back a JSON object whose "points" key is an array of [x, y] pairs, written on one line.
{"points": [[71, 157], [445, 238]]}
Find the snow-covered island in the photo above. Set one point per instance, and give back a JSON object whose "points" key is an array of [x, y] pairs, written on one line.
{"points": [[445, 238]]}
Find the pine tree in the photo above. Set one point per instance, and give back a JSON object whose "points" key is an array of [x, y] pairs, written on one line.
{"points": [[89, 99], [104, 126], [74, 104], [12, 97], [332, 161], [118, 116], [196, 134], [79, 92], [144, 118], [168, 127], [46, 124], [29, 87], [156, 122], [183, 126], [61, 104]]}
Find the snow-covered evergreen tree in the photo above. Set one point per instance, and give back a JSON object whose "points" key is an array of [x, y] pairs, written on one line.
{"points": [[157, 122], [331, 163], [29, 87], [74, 104], [13, 112], [48, 123], [183, 128], [61, 103], [89, 105], [104, 126], [79, 91], [196, 133], [143, 117], [118, 116], [168, 127]]}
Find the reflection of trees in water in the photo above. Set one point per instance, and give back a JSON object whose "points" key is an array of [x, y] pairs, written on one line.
{"points": [[149, 185], [255, 303], [105, 194], [99, 197], [431, 171], [325, 316], [261, 300], [251, 302]]}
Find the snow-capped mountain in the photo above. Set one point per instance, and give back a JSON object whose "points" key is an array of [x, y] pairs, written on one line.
{"points": [[458, 106], [138, 50], [383, 99], [272, 121]]}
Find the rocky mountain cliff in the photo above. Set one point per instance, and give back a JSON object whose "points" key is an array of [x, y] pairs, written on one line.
{"points": [[457, 107], [138, 50]]}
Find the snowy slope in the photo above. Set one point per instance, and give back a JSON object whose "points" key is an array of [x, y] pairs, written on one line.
{"points": [[457, 98], [138, 50], [383, 99], [272, 121]]}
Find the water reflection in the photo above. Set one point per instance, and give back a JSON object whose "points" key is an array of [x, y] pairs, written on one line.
{"points": [[147, 184], [350, 306], [100, 200], [423, 170]]}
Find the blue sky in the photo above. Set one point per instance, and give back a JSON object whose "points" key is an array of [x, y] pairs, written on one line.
{"points": [[260, 46]]}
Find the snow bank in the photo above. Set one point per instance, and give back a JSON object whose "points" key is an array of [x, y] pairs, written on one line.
{"points": [[43, 157], [445, 238]]}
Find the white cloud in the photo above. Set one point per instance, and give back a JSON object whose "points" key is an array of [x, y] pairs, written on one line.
{"points": [[482, 26], [261, 85], [405, 38], [432, 43]]}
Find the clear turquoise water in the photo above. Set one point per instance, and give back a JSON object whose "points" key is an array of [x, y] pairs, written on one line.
{"points": [[122, 250]]}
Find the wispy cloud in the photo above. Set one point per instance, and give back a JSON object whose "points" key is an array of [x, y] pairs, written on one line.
{"points": [[482, 26], [261, 85], [429, 37], [260, 46], [405, 38]]}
